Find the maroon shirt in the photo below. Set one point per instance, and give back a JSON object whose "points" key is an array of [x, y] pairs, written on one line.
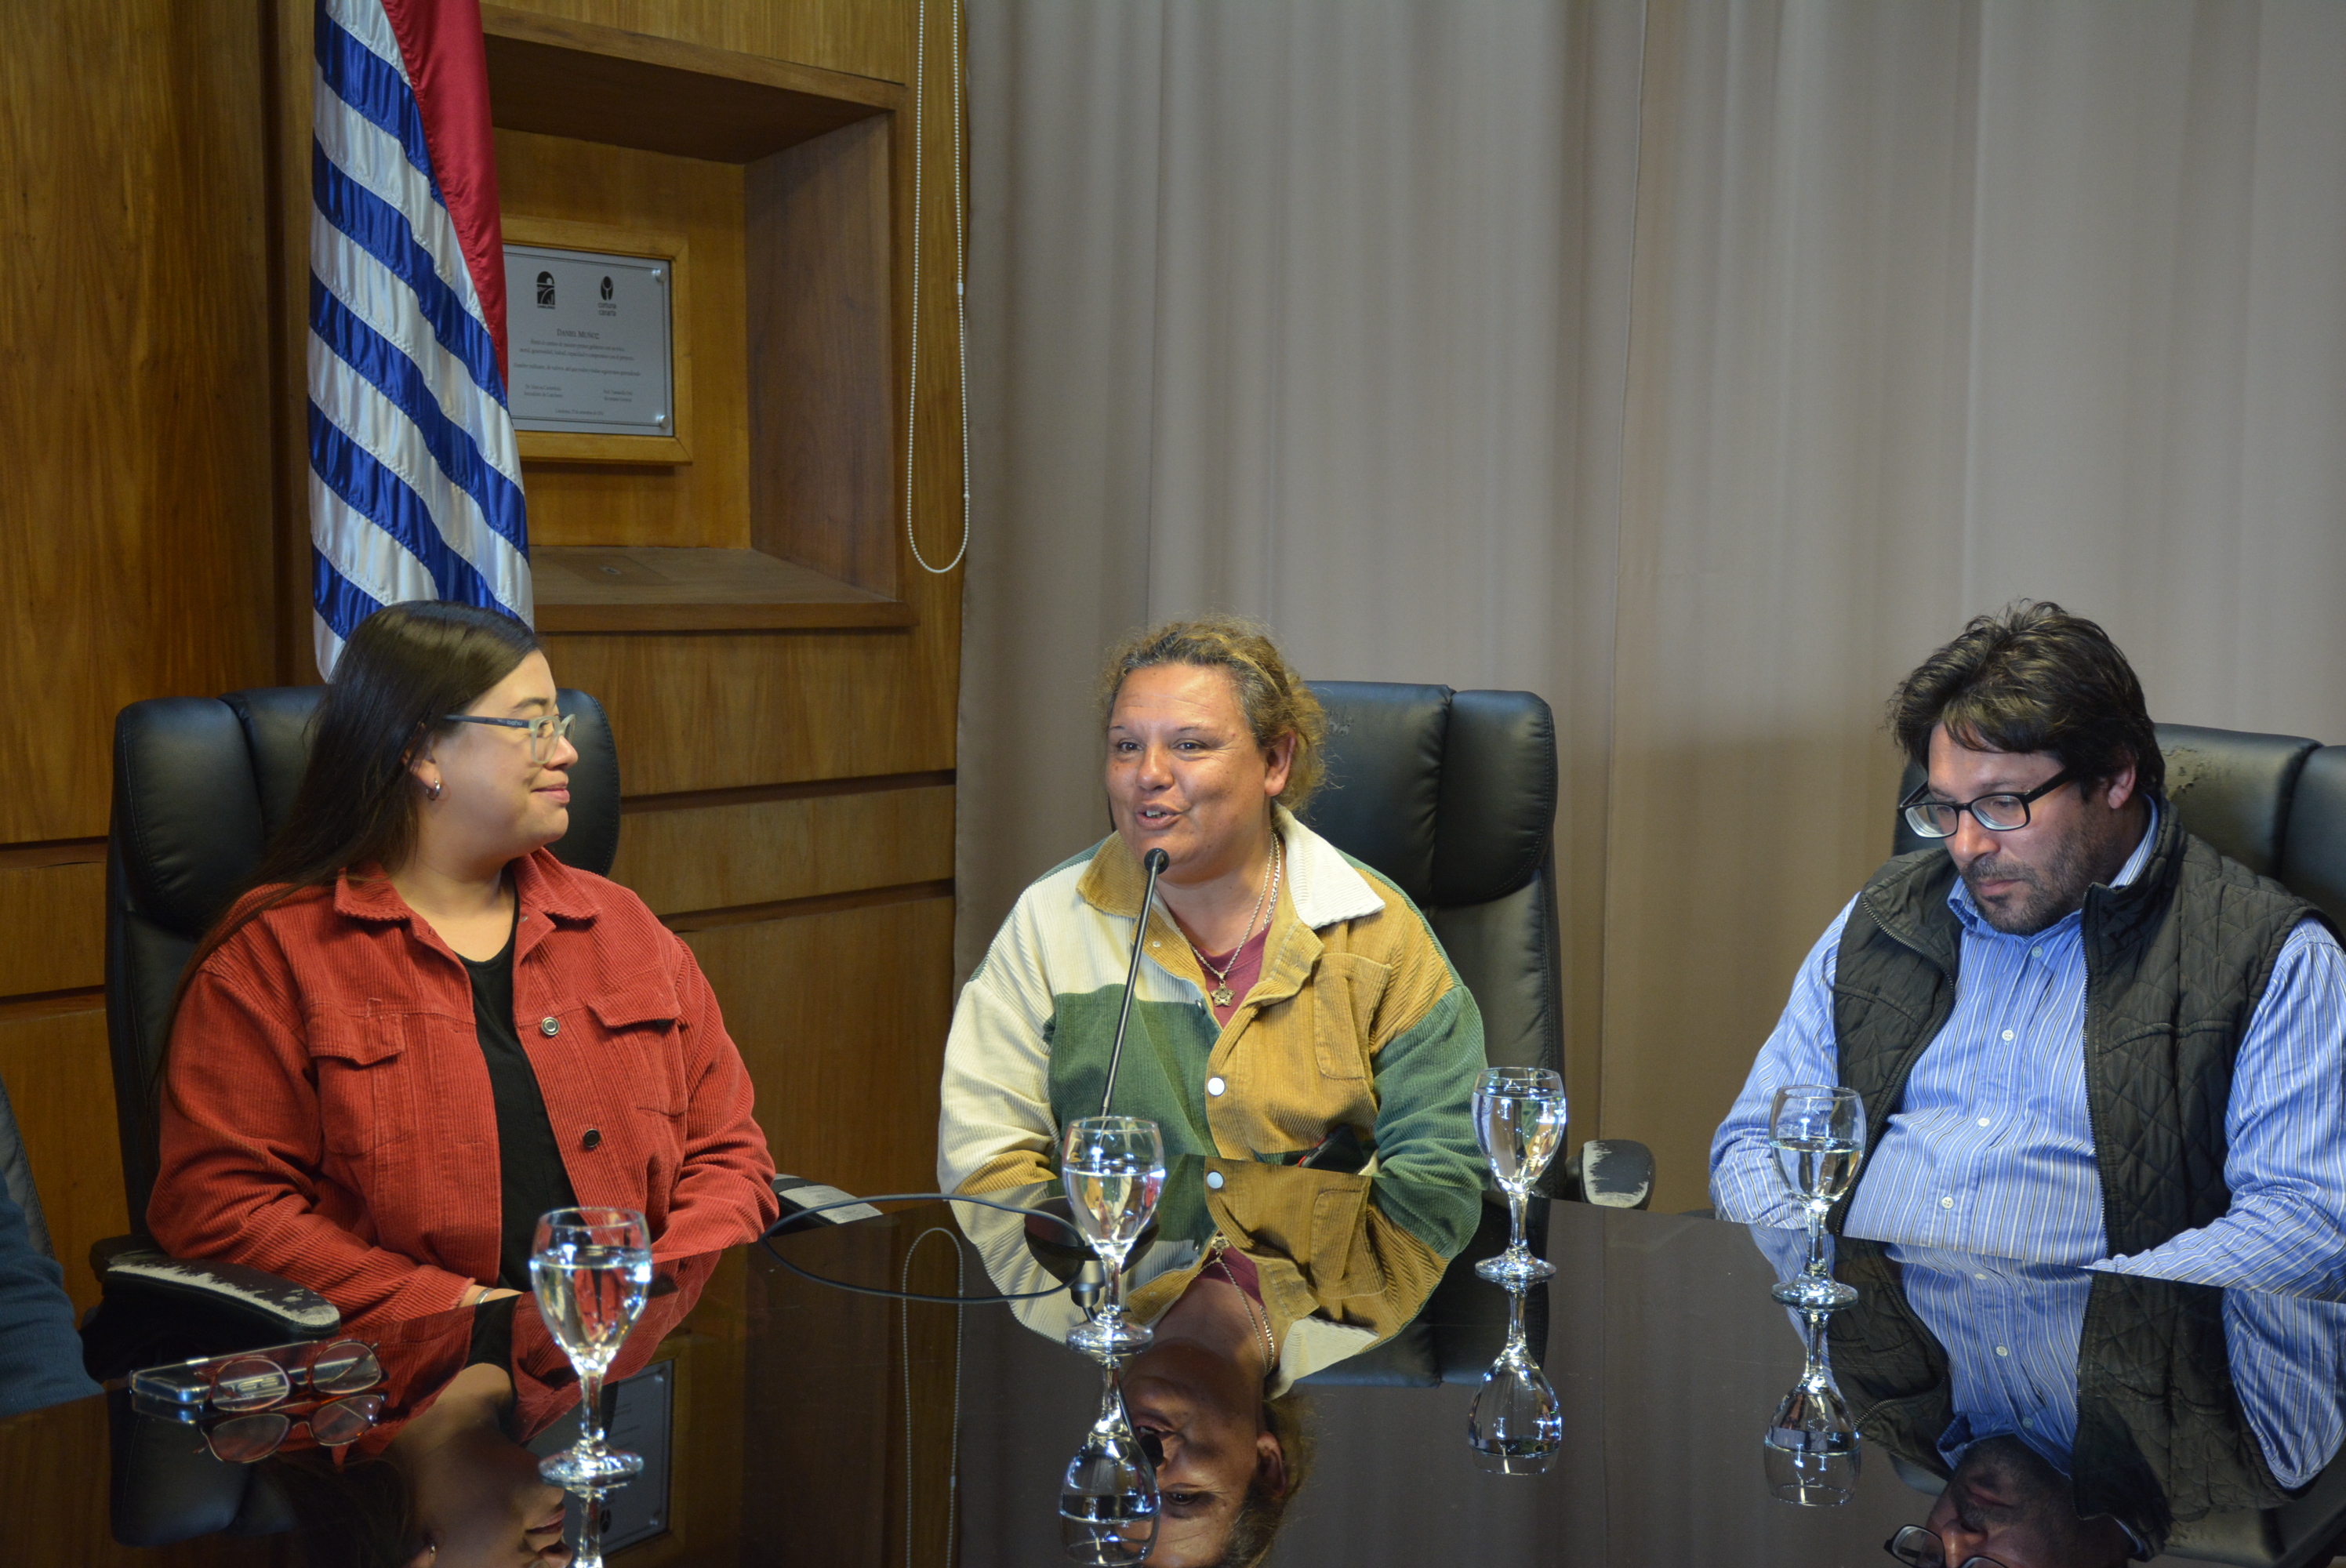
{"points": [[1242, 976]]}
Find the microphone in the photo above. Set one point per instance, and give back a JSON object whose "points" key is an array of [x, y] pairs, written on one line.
{"points": [[1156, 860]]}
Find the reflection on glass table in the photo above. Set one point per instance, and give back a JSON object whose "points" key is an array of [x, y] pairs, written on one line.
{"points": [[1108, 1499], [2080, 1416], [1811, 1451], [1516, 1426], [414, 1440]]}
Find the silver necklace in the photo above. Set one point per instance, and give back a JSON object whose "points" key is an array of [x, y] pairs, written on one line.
{"points": [[1222, 992], [1269, 1348]]}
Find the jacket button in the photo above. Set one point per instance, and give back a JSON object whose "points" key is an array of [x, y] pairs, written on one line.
{"points": [[549, 1026], [1214, 1180], [594, 1138], [1215, 1086]]}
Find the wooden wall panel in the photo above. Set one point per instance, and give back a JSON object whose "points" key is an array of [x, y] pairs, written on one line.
{"points": [[726, 710], [856, 35], [723, 857], [705, 501], [61, 1086], [842, 1019], [819, 229], [134, 385], [52, 925]]}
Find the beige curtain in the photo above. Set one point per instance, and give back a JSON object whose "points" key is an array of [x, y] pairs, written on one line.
{"points": [[1699, 366]]}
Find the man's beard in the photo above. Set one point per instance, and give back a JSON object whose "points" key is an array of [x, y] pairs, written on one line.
{"points": [[2055, 889]]}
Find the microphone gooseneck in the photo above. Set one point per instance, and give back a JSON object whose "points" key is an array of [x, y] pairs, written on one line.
{"points": [[1155, 860]]}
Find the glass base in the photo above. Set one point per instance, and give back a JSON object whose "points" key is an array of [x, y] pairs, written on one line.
{"points": [[1523, 1457], [1108, 1337], [1515, 1268], [1810, 1290], [582, 1469]]}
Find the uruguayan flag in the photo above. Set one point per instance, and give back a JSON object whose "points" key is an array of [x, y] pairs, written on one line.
{"points": [[415, 481]]}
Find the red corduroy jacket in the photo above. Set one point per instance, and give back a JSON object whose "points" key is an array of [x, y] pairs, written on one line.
{"points": [[327, 1114]]}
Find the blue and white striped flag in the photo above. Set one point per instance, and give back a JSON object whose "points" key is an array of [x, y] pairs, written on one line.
{"points": [[414, 480]]}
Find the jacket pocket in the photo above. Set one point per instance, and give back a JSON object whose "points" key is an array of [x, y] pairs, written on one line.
{"points": [[639, 1024], [366, 1090], [1344, 992]]}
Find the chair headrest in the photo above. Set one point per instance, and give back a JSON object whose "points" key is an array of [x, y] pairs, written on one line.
{"points": [[201, 783], [2234, 789], [1452, 795]]}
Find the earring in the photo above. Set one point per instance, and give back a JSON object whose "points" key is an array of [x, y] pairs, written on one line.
{"points": [[431, 790]]}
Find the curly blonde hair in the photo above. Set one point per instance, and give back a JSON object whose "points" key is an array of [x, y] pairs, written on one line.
{"points": [[1274, 697]]}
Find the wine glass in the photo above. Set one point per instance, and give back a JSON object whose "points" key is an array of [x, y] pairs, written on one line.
{"points": [[1811, 1449], [1519, 1122], [1109, 1501], [591, 1268], [1516, 1425], [1113, 1168], [1818, 1132]]}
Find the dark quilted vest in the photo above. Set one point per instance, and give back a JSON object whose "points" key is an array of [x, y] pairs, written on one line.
{"points": [[2161, 1435], [2175, 963]]}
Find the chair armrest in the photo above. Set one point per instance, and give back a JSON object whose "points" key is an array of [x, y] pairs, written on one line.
{"points": [[274, 1306], [157, 1307], [1612, 1173]]}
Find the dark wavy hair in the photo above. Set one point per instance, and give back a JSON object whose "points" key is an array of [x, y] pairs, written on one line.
{"points": [[2034, 678]]}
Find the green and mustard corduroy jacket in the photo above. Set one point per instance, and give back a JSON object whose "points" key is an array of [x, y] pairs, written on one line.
{"points": [[1358, 1020]]}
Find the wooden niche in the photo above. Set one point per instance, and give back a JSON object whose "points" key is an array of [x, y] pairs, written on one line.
{"points": [[769, 185]]}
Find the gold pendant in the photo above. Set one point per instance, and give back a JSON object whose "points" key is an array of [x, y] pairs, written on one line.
{"points": [[1222, 996]]}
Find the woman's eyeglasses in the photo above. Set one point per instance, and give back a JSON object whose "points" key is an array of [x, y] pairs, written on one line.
{"points": [[546, 731]]}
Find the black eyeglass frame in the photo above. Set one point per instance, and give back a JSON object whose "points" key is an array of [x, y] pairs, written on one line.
{"points": [[1891, 1546], [1916, 808], [546, 730]]}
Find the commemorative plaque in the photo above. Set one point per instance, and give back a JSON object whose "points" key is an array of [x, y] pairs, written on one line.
{"points": [[588, 342]]}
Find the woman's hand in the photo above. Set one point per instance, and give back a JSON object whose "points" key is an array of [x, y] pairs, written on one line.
{"points": [[480, 1293]]}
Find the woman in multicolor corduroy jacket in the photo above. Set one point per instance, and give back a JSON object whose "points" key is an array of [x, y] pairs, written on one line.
{"points": [[1285, 992]]}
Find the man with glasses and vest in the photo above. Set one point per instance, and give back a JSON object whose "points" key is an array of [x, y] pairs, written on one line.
{"points": [[2081, 1035]]}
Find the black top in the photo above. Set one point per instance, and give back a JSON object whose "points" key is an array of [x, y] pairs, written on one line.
{"points": [[530, 1172]]}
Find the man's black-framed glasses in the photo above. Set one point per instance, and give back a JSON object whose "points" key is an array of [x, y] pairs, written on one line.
{"points": [[2002, 812], [546, 731], [1921, 1548]]}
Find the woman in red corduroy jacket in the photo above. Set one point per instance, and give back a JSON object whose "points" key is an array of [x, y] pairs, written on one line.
{"points": [[419, 1030]]}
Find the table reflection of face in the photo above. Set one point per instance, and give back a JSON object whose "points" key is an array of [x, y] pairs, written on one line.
{"points": [[2005, 1501], [1207, 1411]]}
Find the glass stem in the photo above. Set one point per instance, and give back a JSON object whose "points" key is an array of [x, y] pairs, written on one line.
{"points": [[1113, 1297], [1518, 1201], [1820, 1268], [590, 1531], [1518, 1344], [590, 1411], [1818, 1371]]}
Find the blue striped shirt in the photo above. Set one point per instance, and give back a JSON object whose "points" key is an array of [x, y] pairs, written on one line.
{"points": [[1991, 1150]]}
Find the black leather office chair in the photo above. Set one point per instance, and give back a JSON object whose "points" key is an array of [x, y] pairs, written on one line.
{"points": [[200, 786], [1452, 795]]}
